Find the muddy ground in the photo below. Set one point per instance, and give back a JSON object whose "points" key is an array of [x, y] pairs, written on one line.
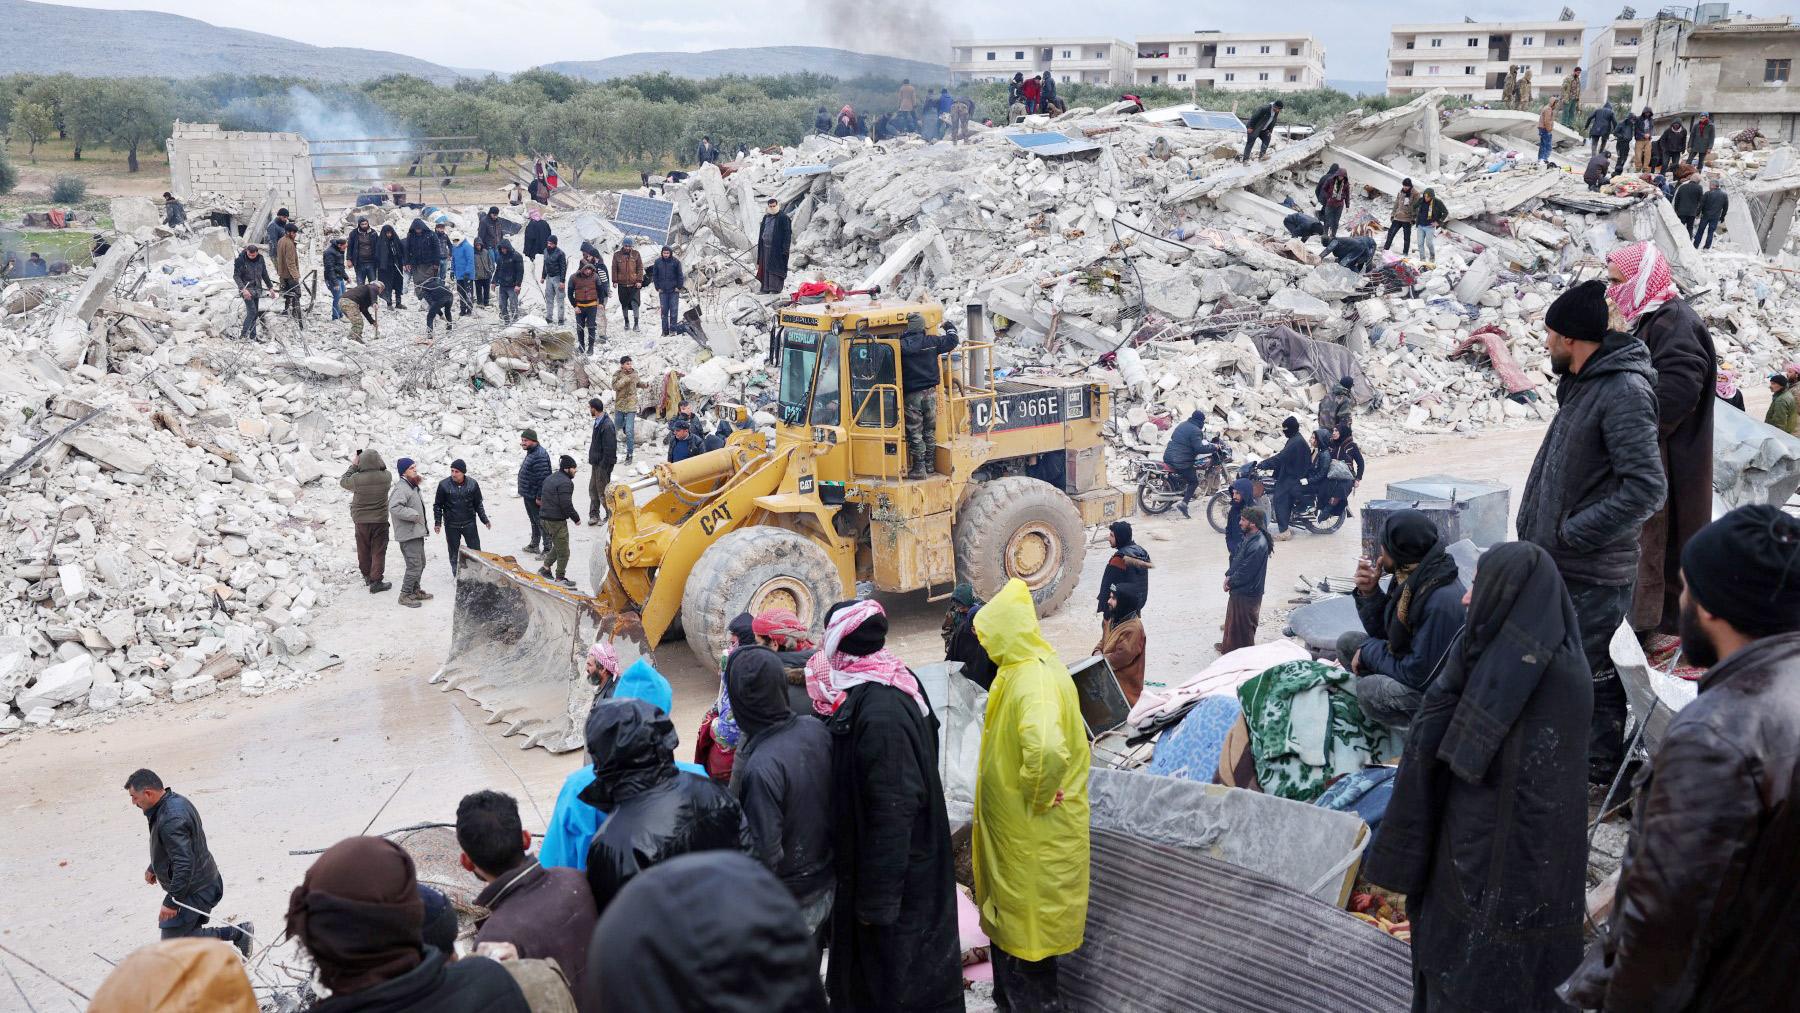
{"points": [[302, 769]]}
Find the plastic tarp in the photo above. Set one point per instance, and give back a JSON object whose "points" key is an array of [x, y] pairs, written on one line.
{"points": [[1288, 348], [961, 709], [1753, 462], [1312, 850]]}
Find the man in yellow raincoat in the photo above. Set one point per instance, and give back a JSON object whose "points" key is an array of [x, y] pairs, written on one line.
{"points": [[1031, 807]]}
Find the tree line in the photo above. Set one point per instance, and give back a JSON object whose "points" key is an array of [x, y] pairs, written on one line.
{"points": [[648, 121]]}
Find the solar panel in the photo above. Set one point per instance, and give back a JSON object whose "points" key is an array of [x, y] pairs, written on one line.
{"points": [[1050, 144], [645, 217], [1201, 119]]}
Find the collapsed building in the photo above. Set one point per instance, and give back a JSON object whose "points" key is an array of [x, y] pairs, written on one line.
{"points": [[171, 516]]}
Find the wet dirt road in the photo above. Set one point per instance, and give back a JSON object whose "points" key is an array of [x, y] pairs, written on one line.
{"points": [[304, 768]]}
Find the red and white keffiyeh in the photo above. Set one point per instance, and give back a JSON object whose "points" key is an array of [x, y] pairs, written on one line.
{"points": [[831, 673], [1647, 285]]}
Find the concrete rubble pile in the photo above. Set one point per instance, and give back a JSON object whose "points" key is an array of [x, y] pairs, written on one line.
{"points": [[183, 535]]}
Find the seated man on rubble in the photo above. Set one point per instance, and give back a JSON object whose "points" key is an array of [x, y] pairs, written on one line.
{"points": [[1407, 628]]}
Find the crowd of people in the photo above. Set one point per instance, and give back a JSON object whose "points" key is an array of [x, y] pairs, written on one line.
{"points": [[368, 270], [661, 885]]}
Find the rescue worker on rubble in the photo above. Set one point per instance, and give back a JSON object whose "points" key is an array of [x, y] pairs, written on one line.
{"points": [[772, 241], [251, 273], [336, 277], [358, 304], [1335, 407], [390, 259], [287, 270], [665, 274], [363, 251], [1261, 127], [919, 354], [174, 212]]}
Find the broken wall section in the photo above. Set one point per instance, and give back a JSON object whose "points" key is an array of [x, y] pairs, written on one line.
{"points": [[244, 165]]}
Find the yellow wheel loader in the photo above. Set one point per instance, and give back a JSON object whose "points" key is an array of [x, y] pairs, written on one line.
{"points": [[1018, 471]]}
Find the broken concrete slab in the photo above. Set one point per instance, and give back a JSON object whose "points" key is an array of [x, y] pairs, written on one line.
{"points": [[106, 274], [113, 450]]}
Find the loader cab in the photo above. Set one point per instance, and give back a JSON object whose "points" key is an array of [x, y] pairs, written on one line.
{"points": [[840, 384]]}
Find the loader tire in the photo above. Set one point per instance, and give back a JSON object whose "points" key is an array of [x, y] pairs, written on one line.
{"points": [[1020, 527], [749, 571]]}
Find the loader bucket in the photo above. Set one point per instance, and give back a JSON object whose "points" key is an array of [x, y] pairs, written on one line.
{"points": [[518, 647]]}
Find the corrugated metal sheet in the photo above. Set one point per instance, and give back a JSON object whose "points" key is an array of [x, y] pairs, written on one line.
{"points": [[1168, 930]]}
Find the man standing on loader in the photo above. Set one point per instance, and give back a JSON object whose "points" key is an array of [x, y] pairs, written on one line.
{"points": [[919, 374]]}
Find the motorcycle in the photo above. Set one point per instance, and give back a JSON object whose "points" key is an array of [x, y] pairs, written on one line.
{"points": [[1159, 487], [1305, 516]]}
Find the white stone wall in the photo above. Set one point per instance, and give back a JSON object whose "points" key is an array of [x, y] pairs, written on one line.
{"points": [[243, 164]]}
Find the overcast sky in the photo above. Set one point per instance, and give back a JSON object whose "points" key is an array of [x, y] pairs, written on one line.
{"points": [[511, 35]]}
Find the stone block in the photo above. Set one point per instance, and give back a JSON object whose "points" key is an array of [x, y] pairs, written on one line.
{"points": [[58, 684], [193, 689]]}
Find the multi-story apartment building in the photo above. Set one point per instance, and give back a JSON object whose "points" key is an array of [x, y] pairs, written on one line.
{"points": [[1611, 61], [1074, 60], [1739, 69], [1231, 61], [1471, 58]]}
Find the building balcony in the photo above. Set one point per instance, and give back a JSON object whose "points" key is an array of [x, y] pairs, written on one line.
{"points": [[1071, 65], [1276, 58], [1159, 63], [1009, 66], [1448, 82], [1440, 54]]}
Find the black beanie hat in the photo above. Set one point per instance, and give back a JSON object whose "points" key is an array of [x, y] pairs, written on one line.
{"points": [[565, 462], [1579, 313], [1290, 426], [1745, 569], [458, 465]]}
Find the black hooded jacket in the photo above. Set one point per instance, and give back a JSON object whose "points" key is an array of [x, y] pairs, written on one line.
{"points": [[1127, 570], [706, 933], [537, 237], [1187, 442], [470, 985], [421, 246], [919, 353], [782, 773], [509, 267], [1598, 475], [656, 810]]}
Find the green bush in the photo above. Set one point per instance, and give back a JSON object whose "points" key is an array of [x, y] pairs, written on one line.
{"points": [[9, 176], [68, 189]]}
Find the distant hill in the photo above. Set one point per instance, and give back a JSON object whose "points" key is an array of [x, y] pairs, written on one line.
{"points": [[763, 60], [48, 39]]}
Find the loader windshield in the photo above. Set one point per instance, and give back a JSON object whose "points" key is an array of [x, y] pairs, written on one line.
{"points": [[799, 359]]}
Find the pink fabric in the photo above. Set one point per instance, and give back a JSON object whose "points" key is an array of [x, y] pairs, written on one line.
{"points": [[606, 656], [536, 215], [1648, 283], [831, 673], [1493, 340], [1224, 675], [1725, 384]]}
